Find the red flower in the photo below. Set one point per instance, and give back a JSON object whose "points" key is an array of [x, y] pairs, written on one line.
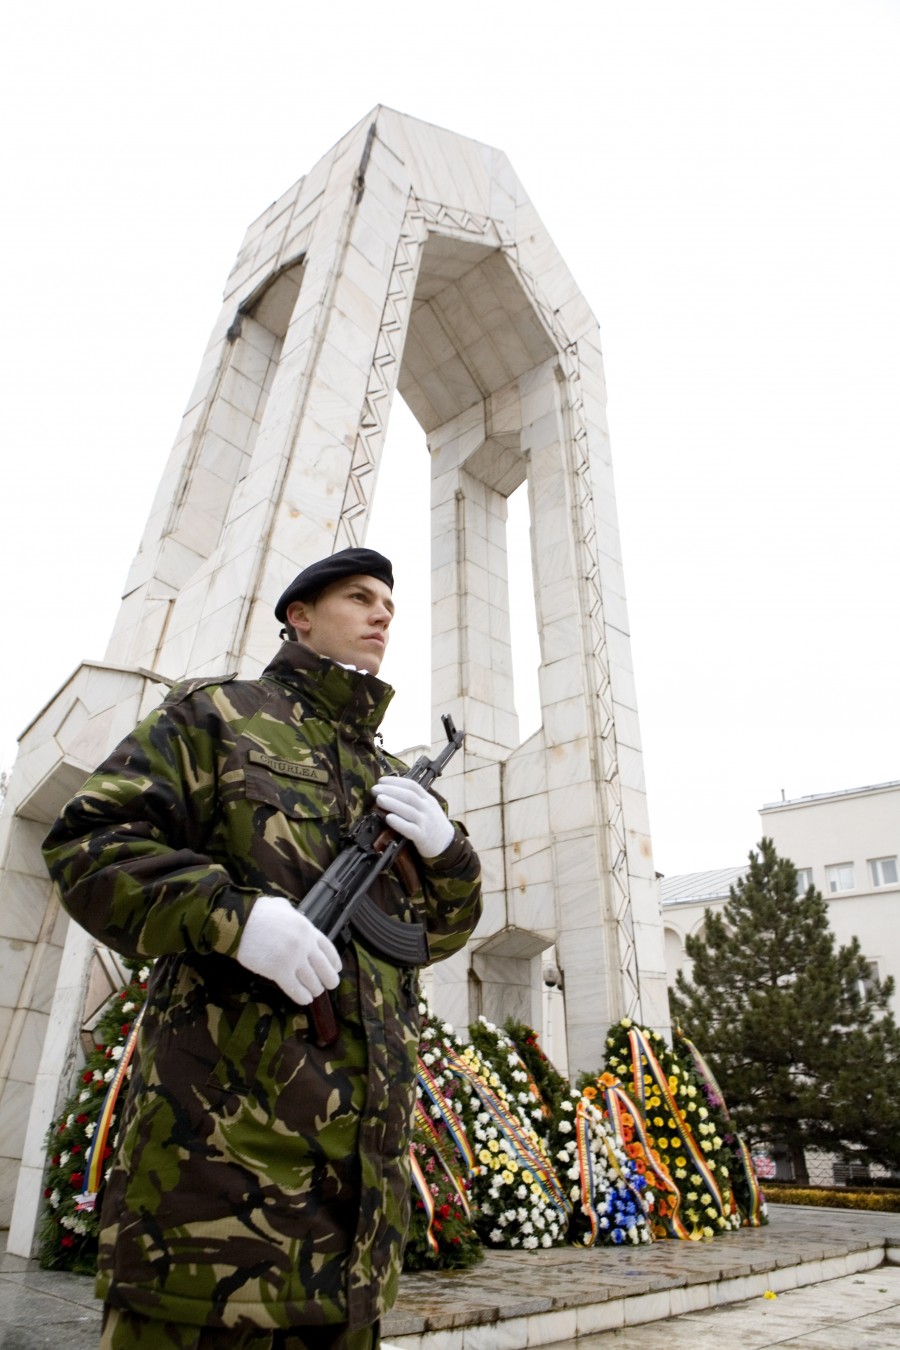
{"points": [[54, 1162], [125, 1028], [444, 1211], [81, 1120], [76, 1181], [67, 1240], [87, 1075], [47, 1193], [76, 1148]]}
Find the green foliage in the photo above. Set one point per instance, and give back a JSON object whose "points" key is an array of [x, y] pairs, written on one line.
{"points": [[806, 1052], [68, 1236]]}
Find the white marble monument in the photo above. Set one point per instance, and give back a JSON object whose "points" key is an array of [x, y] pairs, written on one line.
{"points": [[408, 259]]}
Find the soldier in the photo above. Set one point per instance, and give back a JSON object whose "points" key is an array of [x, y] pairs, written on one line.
{"points": [[260, 1191]]}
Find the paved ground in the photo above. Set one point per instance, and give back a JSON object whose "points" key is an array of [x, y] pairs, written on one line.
{"points": [[661, 1296]]}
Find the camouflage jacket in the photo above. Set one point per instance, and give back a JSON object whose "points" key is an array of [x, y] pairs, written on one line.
{"points": [[259, 1179]]}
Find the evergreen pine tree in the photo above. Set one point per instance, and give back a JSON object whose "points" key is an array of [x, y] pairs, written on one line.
{"points": [[802, 1042]]}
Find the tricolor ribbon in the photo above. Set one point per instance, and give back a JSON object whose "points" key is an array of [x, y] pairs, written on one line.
{"points": [[452, 1121], [421, 1184], [586, 1179], [521, 1144], [739, 1148], [643, 1054], [93, 1163], [618, 1104]]}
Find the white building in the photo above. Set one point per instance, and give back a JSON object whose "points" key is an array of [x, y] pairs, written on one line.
{"points": [[846, 844]]}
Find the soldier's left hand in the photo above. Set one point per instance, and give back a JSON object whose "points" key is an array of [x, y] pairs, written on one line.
{"points": [[412, 811]]}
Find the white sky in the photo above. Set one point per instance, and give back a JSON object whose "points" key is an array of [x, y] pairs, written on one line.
{"points": [[723, 180]]}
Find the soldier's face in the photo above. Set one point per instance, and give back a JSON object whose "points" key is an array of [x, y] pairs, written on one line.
{"points": [[348, 622]]}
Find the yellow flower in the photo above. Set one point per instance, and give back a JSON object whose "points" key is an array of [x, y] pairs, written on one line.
{"points": [[536, 1190], [662, 1143], [770, 1293], [673, 1124], [493, 1145], [657, 1121], [484, 1156], [512, 1165], [527, 1177], [681, 1162], [506, 1176]]}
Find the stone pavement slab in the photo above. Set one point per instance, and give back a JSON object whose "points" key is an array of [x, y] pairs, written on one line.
{"points": [[858, 1312], [668, 1295]]}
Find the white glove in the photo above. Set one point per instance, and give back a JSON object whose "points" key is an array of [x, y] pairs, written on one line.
{"points": [[413, 812], [281, 943]]}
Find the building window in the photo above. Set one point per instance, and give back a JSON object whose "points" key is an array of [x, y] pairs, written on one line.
{"points": [[804, 879], [840, 877], [883, 871]]}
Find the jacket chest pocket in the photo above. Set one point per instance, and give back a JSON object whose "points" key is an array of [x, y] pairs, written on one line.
{"points": [[292, 795]]}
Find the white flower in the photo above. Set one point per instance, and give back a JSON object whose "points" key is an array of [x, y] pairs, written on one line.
{"points": [[496, 1235], [54, 1199], [89, 1129], [109, 1075], [64, 1158], [565, 1127], [530, 1242], [116, 1052], [428, 1058]]}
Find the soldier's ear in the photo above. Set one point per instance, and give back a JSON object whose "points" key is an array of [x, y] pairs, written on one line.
{"points": [[298, 616]]}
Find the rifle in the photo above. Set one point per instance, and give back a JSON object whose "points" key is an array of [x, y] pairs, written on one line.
{"points": [[339, 901]]}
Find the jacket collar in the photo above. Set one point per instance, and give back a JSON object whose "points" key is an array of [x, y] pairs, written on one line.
{"points": [[340, 695]]}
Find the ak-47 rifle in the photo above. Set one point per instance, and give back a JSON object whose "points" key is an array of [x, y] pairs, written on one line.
{"points": [[339, 901]]}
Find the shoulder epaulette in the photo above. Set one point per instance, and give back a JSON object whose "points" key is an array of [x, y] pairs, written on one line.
{"points": [[185, 688]]}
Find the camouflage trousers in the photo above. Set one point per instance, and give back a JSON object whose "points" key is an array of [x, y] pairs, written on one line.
{"points": [[130, 1331]]}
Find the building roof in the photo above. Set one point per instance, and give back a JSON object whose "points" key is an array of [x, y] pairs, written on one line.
{"points": [[828, 796], [699, 885]]}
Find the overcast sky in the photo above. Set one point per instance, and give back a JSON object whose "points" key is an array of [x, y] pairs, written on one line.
{"points": [[723, 180]]}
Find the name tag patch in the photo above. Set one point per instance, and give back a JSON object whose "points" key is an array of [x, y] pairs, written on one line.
{"points": [[289, 767]]}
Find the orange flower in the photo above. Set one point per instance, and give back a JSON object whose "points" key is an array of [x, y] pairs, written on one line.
{"points": [[590, 1093], [627, 1120], [608, 1079], [634, 1150]]}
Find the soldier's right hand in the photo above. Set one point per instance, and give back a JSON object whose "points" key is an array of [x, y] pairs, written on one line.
{"points": [[281, 944]]}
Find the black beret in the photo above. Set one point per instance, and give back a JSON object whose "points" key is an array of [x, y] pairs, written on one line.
{"points": [[349, 562]]}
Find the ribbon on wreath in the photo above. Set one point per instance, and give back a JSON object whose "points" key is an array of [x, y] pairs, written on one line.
{"points": [[738, 1147], [93, 1163], [521, 1143], [643, 1054], [618, 1105], [587, 1183]]}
